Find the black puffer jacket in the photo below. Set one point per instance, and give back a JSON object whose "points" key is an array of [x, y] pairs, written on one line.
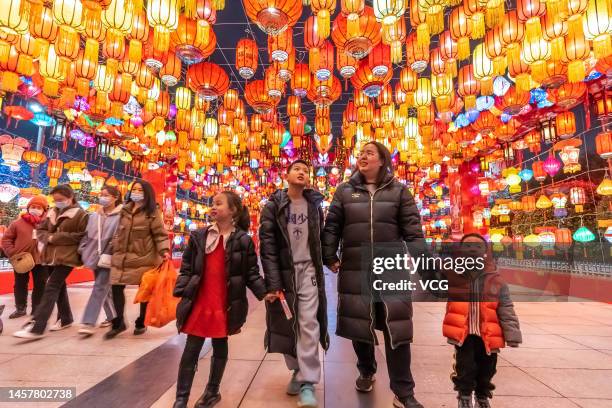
{"points": [[277, 262], [240, 266], [357, 217]]}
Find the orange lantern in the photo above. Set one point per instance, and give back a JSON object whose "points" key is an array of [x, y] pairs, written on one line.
{"points": [[171, 71], [577, 51], [207, 79], [138, 34], [565, 124], [417, 56], [461, 30], [538, 171], [603, 145], [257, 97], [188, 45], [512, 31], [34, 158], [293, 106], [365, 80], [300, 82], [346, 65], [358, 42], [528, 203], [279, 46], [246, 57], [273, 16], [54, 171]]}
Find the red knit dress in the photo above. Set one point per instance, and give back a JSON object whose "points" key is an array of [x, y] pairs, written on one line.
{"points": [[208, 317]]}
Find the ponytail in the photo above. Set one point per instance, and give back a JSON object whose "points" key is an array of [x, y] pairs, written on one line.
{"points": [[242, 219]]}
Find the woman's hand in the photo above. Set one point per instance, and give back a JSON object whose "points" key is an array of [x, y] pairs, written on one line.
{"points": [[271, 297]]}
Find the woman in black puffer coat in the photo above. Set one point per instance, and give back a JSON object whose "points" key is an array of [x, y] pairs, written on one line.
{"points": [[372, 207], [218, 265]]}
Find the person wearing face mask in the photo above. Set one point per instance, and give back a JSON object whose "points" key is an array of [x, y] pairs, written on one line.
{"points": [[139, 245], [58, 238], [96, 251], [20, 238]]}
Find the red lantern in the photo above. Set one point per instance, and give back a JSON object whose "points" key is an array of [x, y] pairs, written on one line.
{"points": [[565, 124], [359, 44], [258, 98], [207, 79], [246, 57], [300, 82], [190, 47]]}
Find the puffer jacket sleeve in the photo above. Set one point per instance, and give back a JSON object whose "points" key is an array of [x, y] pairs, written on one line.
{"points": [[409, 218], [334, 224], [185, 272], [253, 279], [269, 248], [8, 240], [159, 234], [71, 237], [507, 317]]}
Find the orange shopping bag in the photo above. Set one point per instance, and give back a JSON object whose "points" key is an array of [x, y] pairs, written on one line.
{"points": [[147, 285], [162, 305]]}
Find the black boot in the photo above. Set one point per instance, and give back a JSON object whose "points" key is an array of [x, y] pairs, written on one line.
{"points": [[19, 312], [183, 385], [212, 396]]}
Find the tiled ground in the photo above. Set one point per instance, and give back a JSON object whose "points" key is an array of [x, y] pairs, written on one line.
{"points": [[565, 361]]}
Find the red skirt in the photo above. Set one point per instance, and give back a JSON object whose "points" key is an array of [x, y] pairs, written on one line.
{"points": [[208, 317]]}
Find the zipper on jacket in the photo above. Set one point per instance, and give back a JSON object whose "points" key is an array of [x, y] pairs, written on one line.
{"points": [[372, 195], [294, 285]]}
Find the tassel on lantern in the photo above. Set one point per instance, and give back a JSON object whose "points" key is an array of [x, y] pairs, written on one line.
{"points": [[435, 21], [470, 102], [50, 87], [499, 65], [538, 71], [478, 26], [486, 86], [396, 52], [190, 8], [203, 31], [463, 48], [553, 7], [352, 25], [25, 64], [523, 82], [602, 46], [313, 59], [219, 4], [533, 29], [576, 71], [91, 51], [494, 12], [451, 67], [135, 51], [423, 36], [557, 46], [161, 39], [9, 81], [323, 23]]}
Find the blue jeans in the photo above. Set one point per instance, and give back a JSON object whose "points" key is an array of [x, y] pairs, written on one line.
{"points": [[100, 296]]}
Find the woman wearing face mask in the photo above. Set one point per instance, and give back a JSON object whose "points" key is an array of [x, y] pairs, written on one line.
{"points": [[372, 207], [139, 245], [96, 250], [18, 238], [59, 236]]}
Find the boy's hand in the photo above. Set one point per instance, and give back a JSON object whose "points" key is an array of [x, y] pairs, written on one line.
{"points": [[271, 297]]}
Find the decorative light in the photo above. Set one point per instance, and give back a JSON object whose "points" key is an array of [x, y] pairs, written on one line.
{"points": [[583, 234]]}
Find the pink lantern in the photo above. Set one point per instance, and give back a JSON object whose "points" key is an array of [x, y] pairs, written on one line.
{"points": [[552, 165]]}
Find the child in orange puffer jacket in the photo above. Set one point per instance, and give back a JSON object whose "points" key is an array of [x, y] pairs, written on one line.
{"points": [[479, 324]]}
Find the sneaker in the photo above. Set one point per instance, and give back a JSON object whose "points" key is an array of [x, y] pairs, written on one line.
{"points": [[406, 402], [26, 333], [293, 388], [86, 330], [482, 402], [307, 397], [57, 326], [112, 333], [17, 314], [365, 382], [464, 401], [106, 323]]}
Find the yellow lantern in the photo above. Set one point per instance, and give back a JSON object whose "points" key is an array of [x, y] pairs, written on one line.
{"points": [[597, 26], [543, 202], [50, 68], [210, 127], [183, 98], [103, 84], [163, 17], [12, 20], [68, 13]]}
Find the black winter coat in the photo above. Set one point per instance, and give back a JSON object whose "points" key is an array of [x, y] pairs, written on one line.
{"points": [[241, 269], [357, 217], [277, 262]]}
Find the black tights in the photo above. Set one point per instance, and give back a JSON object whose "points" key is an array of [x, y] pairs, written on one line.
{"points": [[194, 344], [119, 302]]}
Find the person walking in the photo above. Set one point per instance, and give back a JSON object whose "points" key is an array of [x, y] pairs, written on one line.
{"points": [[139, 245], [290, 248], [372, 207], [96, 251], [218, 265], [480, 320], [59, 236], [20, 237]]}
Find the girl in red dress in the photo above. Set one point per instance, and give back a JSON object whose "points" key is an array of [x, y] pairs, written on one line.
{"points": [[218, 264]]}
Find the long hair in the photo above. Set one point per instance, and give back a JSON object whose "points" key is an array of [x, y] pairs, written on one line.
{"points": [[385, 158], [241, 217], [114, 192], [149, 206]]}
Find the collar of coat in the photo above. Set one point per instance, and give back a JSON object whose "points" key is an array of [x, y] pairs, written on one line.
{"points": [[67, 213], [357, 180], [115, 211], [281, 198], [200, 235]]}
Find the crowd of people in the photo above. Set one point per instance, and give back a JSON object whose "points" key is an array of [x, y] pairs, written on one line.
{"points": [[126, 238]]}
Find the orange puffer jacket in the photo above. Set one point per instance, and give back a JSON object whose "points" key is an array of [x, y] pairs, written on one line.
{"points": [[498, 321]]}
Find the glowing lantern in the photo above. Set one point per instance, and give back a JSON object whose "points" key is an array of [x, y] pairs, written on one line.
{"points": [[577, 198], [34, 158], [207, 79], [12, 151], [569, 156], [514, 181], [583, 234], [12, 18], [279, 46], [532, 240], [597, 25], [528, 203], [552, 165], [563, 237], [50, 68], [603, 145], [97, 180], [54, 171], [559, 200], [605, 187], [163, 17], [461, 30], [565, 124], [273, 16], [577, 51], [356, 37]]}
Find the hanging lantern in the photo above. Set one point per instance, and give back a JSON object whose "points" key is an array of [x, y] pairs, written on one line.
{"points": [[380, 60], [365, 80], [12, 151], [559, 201], [279, 46], [603, 145], [246, 57], [605, 187], [528, 203], [543, 202], [189, 46], [538, 170], [8, 192], [552, 165], [34, 158], [416, 55], [257, 97], [273, 16], [565, 124], [12, 18], [577, 198], [577, 51], [461, 30], [597, 26], [357, 38], [583, 234], [207, 79], [163, 17], [54, 171]]}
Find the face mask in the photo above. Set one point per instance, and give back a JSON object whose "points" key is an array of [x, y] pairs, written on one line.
{"points": [[105, 201], [136, 197], [35, 212], [61, 204]]}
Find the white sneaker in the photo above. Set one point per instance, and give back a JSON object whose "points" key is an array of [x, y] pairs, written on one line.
{"points": [[26, 333], [86, 330], [57, 326]]}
